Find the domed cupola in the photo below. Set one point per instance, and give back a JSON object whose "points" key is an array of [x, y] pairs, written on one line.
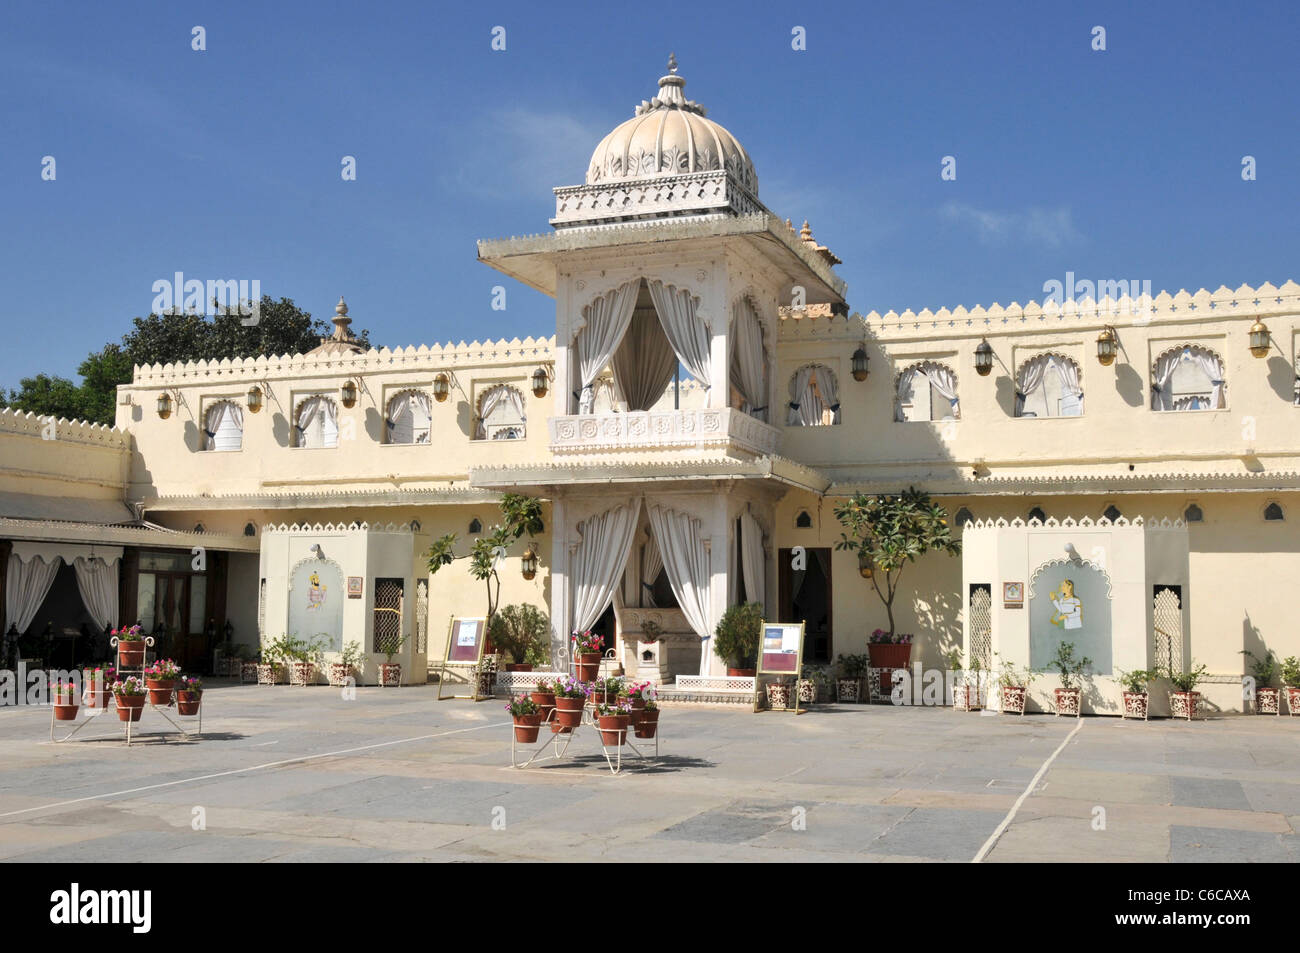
{"points": [[669, 160], [670, 135]]}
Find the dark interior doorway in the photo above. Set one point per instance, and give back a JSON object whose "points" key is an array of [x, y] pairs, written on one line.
{"points": [[805, 596]]}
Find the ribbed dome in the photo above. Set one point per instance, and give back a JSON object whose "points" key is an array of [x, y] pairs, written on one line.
{"points": [[669, 135]]}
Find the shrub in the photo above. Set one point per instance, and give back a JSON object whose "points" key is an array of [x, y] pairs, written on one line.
{"points": [[519, 631], [736, 638]]}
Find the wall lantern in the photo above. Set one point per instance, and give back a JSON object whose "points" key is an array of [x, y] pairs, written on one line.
{"points": [[349, 393], [1259, 338], [1107, 346], [254, 399], [860, 364], [540, 382], [441, 387], [984, 358], [164, 405], [528, 562], [865, 566]]}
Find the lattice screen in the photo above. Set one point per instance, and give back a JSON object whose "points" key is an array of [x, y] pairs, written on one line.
{"points": [[422, 616], [981, 626], [1167, 630], [388, 614]]}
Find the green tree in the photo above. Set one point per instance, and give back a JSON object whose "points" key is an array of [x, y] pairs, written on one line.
{"points": [[48, 396], [888, 532]]}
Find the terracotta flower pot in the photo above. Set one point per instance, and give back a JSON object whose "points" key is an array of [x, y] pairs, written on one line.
{"points": [[187, 703], [129, 707], [889, 654], [519, 667], [130, 654], [588, 666], [1268, 701], [390, 674], [647, 724], [1135, 704], [65, 712], [527, 727], [546, 702], [1293, 700], [160, 691], [1013, 699], [740, 672], [568, 712], [98, 698], [637, 701], [1069, 701], [613, 729]]}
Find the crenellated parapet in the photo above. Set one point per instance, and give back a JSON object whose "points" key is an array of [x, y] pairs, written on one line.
{"points": [[62, 429]]}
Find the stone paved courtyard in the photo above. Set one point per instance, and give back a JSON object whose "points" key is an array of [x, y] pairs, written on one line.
{"points": [[294, 774]]}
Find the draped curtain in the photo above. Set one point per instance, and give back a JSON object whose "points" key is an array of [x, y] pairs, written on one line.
{"points": [[681, 541], [27, 583], [938, 376], [607, 319], [751, 559], [678, 312], [829, 390], [644, 363], [748, 367], [652, 564], [408, 418], [97, 583], [804, 409], [491, 400], [596, 569], [1070, 389], [318, 412], [1162, 377], [224, 429], [1031, 378]]}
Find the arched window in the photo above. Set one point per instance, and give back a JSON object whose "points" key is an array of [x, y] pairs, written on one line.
{"points": [[475, 526], [316, 423], [1037, 514], [223, 426], [803, 520], [1112, 513], [1273, 513], [963, 517], [814, 397], [200, 528], [1188, 377], [250, 529], [926, 391], [1193, 514], [500, 414], [408, 417], [1049, 385]]}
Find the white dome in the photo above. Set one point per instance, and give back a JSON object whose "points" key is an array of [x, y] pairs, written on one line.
{"points": [[669, 135]]}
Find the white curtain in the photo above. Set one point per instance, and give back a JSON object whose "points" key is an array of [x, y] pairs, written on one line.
{"points": [[748, 367], [596, 569], [1029, 380], [805, 409], [644, 363], [829, 390], [1162, 378], [652, 564], [1212, 366], [408, 418], [607, 319], [681, 541], [224, 428], [937, 376], [27, 583], [318, 424], [751, 559], [687, 333], [97, 583], [502, 393], [1071, 391]]}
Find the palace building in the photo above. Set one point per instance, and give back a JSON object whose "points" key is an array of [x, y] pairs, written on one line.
{"points": [[706, 400]]}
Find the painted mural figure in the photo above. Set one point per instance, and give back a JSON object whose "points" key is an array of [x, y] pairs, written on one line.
{"points": [[316, 594], [1069, 608]]}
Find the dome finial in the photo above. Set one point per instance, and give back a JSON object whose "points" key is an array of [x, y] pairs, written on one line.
{"points": [[672, 63], [341, 322]]}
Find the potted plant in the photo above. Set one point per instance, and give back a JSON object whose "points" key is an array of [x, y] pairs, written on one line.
{"points": [[853, 668], [270, 670], [160, 677], [1069, 697], [778, 694], [248, 666], [189, 693], [735, 639], [613, 720], [1265, 671], [586, 655], [1133, 692], [650, 631], [965, 695], [646, 722], [1291, 679], [306, 657], [1013, 686], [815, 684], [390, 672], [637, 694], [888, 650], [130, 693], [349, 664], [570, 700], [527, 718], [608, 691], [98, 685], [543, 696], [130, 647], [517, 631], [1184, 699], [65, 701]]}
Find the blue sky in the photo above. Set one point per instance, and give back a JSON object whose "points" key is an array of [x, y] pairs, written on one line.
{"points": [[226, 163]]}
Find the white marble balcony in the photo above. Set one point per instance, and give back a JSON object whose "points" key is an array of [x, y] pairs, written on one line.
{"points": [[722, 428]]}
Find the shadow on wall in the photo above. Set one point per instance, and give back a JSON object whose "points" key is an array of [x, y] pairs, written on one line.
{"points": [[1252, 641], [1006, 395], [280, 429], [374, 425], [938, 622], [1281, 377], [464, 417], [193, 437], [1128, 384]]}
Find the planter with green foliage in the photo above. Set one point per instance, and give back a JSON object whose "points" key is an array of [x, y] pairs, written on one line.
{"points": [[348, 665], [1013, 687], [1133, 692], [966, 695], [390, 672], [1265, 671], [305, 657], [270, 665], [1069, 697], [1184, 699], [853, 669], [735, 640], [1291, 679], [522, 634]]}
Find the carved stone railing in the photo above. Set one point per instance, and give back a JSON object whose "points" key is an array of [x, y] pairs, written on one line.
{"points": [[658, 196], [650, 430]]}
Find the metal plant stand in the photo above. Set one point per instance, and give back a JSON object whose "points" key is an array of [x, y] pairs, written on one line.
{"points": [[559, 750]]}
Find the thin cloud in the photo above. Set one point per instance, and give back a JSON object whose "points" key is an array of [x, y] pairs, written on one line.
{"points": [[520, 153], [1052, 227]]}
